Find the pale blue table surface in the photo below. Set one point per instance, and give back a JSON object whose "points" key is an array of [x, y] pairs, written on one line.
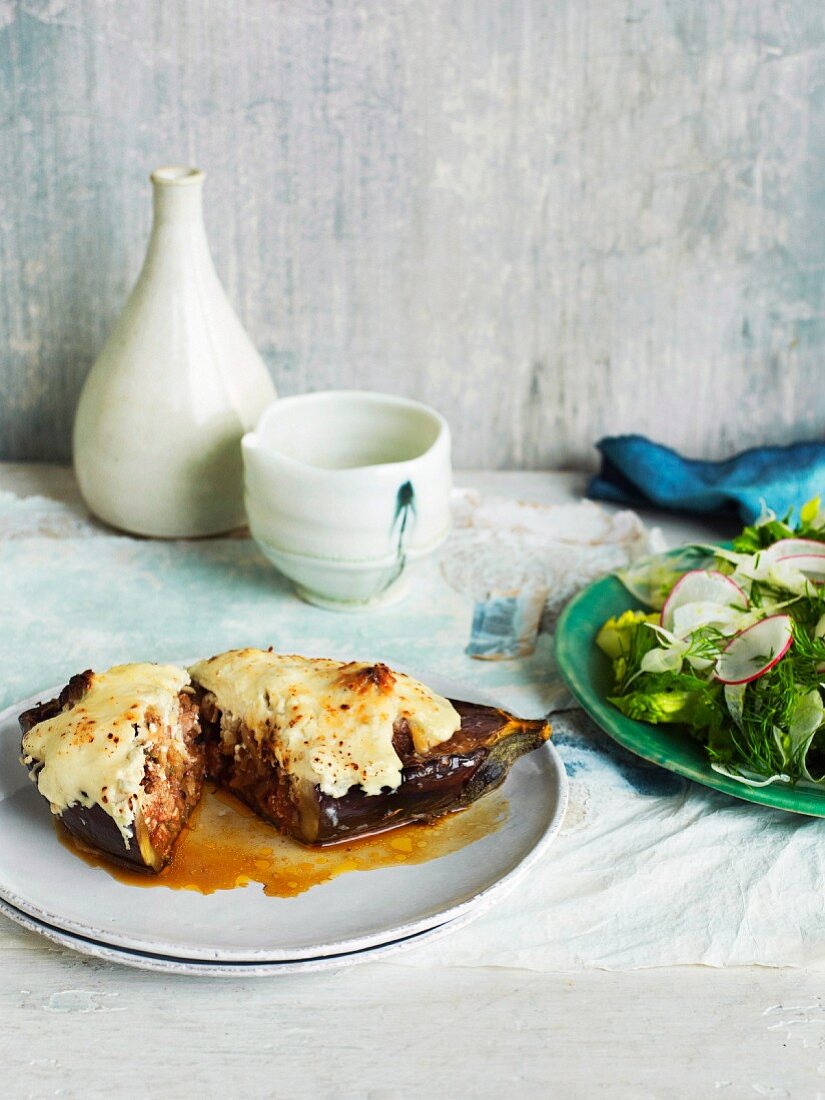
{"points": [[75, 603]]}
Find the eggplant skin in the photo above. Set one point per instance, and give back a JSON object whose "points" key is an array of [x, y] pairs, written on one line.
{"points": [[96, 832], [72, 693], [457, 773]]}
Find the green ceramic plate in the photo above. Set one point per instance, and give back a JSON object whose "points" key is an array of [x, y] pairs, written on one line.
{"points": [[586, 671]]}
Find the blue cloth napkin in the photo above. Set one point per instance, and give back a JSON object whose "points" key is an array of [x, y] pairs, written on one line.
{"points": [[639, 472]]}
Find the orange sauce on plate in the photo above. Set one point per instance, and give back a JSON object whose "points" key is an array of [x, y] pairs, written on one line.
{"points": [[226, 846]]}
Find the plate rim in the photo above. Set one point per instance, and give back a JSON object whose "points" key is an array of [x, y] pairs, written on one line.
{"points": [[495, 891], [575, 673], [204, 968]]}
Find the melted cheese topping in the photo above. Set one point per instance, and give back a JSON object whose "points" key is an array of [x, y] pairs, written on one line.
{"points": [[326, 722], [95, 753]]}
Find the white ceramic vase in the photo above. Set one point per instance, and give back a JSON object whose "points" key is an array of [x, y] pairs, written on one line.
{"points": [[158, 428]]}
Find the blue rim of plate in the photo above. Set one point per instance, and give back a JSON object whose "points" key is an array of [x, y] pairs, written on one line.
{"points": [[586, 672]]}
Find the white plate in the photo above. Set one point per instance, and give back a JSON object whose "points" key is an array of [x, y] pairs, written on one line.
{"points": [[163, 964], [354, 911]]}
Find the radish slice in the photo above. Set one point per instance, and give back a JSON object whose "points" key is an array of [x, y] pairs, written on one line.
{"points": [[690, 617], [702, 586], [792, 548], [755, 651], [812, 565]]}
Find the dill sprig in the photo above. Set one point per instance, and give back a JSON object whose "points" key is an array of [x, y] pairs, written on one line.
{"points": [[769, 702]]}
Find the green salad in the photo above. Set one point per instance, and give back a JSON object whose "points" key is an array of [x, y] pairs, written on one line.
{"points": [[731, 647]]}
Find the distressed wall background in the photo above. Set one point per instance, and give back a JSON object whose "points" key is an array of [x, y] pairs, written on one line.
{"points": [[551, 218]]}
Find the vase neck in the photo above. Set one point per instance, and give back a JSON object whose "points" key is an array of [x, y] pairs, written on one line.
{"points": [[178, 196]]}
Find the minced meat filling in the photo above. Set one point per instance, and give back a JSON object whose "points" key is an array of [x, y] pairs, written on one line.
{"points": [[246, 768], [172, 783]]}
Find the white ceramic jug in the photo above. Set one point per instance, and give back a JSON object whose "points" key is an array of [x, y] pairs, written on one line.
{"points": [[346, 491], [158, 428]]}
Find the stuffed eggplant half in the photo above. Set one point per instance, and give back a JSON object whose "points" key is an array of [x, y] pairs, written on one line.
{"points": [[119, 757], [323, 750], [327, 751]]}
